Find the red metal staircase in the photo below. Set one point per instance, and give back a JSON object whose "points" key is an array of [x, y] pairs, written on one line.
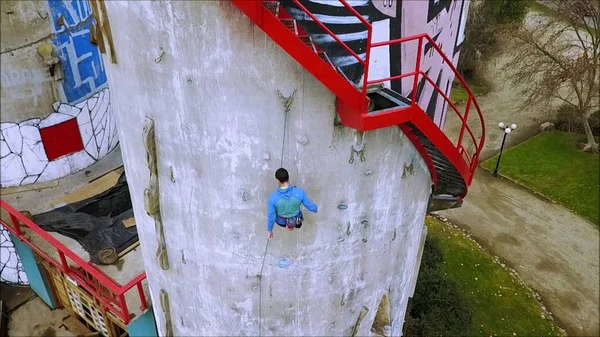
{"points": [[366, 105]]}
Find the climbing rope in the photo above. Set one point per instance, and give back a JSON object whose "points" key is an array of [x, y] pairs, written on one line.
{"points": [[260, 289], [287, 103]]}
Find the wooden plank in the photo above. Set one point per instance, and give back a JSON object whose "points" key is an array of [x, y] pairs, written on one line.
{"points": [[94, 188], [128, 223], [75, 326], [128, 249], [119, 170], [31, 187]]}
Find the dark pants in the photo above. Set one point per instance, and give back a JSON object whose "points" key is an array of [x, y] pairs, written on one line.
{"points": [[297, 226]]}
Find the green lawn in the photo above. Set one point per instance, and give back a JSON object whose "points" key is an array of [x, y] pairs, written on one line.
{"points": [[459, 94], [501, 305], [551, 164]]}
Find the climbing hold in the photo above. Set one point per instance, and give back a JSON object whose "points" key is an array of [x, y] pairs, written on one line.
{"points": [[364, 240], [368, 173], [266, 156], [341, 239], [284, 262], [348, 230], [161, 53], [256, 288], [342, 206], [394, 236], [235, 236], [302, 140], [243, 194], [365, 223], [183, 258], [189, 80], [172, 174]]}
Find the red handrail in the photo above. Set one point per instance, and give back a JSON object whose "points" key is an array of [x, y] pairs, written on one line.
{"points": [[471, 159], [89, 277]]}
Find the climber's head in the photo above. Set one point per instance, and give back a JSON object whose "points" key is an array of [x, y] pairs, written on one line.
{"points": [[282, 177]]}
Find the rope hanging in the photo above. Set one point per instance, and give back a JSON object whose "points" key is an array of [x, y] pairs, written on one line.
{"points": [[287, 103]]}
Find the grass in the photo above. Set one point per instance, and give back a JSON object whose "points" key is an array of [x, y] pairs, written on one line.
{"points": [[551, 165], [459, 94], [501, 305]]}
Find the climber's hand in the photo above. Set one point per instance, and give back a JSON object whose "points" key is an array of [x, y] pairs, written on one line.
{"points": [[270, 235]]}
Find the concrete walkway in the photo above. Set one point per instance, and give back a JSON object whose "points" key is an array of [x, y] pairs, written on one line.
{"points": [[556, 252]]}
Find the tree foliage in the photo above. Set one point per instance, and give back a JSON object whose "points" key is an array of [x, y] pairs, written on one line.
{"points": [[556, 59], [488, 21], [437, 308]]}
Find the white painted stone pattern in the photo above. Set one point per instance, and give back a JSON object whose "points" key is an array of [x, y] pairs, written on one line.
{"points": [[11, 268], [219, 128], [23, 158]]}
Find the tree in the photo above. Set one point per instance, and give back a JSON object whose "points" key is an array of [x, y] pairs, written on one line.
{"points": [[556, 58], [487, 21]]}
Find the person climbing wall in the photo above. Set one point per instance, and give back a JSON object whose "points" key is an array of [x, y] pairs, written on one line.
{"points": [[283, 205]]}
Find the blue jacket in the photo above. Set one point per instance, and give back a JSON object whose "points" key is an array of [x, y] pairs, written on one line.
{"points": [[285, 202]]}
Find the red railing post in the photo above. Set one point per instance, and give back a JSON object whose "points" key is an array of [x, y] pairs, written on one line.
{"points": [[123, 307], [63, 260], [259, 12], [16, 224], [140, 289], [464, 123], [366, 69], [417, 71]]}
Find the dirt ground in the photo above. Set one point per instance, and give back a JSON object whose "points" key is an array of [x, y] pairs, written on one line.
{"points": [[34, 318], [556, 252]]}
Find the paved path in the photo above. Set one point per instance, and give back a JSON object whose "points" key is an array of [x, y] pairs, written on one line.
{"points": [[556, 252]]}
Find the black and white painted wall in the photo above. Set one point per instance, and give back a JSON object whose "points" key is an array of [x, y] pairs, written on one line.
{"points": [[443, 20]]}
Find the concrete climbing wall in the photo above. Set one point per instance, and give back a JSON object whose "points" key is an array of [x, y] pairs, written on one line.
{"points": [[443, 20], [209, 79], [56, 114]]}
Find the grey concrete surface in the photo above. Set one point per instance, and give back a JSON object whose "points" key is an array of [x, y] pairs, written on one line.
{"points": [[27, 88], [219, 128]]}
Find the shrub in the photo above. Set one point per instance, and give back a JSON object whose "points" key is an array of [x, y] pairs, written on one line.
{"points": [[567, 120], [437, 307]]}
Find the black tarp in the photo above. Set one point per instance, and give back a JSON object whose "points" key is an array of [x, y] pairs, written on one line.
{"points": [[96, 222]]}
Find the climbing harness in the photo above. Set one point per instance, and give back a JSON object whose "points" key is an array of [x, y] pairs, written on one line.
{"points": [[358, 148], [287, 104]]}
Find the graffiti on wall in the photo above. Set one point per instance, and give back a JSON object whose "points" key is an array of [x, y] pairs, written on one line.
{"points": [[21, 83], [83, 68], [11, 268], [443, 20], [68, 140]]}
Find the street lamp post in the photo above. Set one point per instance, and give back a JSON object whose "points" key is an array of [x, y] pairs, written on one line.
{"points": [[506, 130]]}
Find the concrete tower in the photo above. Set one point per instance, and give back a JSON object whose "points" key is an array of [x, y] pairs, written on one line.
{"points": [[199, 93]]}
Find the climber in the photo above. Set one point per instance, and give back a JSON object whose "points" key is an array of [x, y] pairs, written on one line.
{"points": [[284, 204]]}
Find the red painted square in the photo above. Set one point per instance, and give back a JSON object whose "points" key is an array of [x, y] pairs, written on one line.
{"points": [[61, 139]]}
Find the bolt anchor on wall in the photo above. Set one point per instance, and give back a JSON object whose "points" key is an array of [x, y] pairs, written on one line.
{"points": [[358, 147]]}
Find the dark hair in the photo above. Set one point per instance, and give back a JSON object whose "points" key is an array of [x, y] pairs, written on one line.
{"points": [[282, 175]]}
